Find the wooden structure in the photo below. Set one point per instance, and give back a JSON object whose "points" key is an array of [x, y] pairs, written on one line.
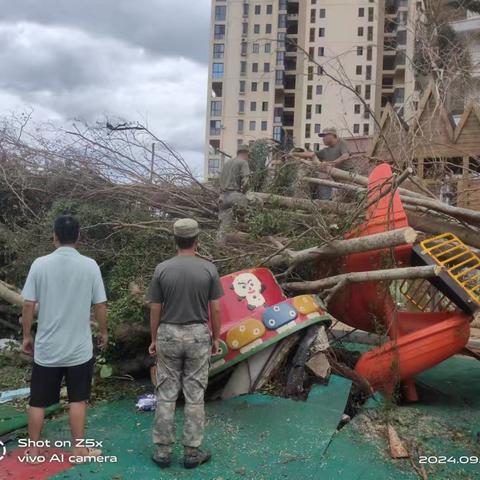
{"points": [[445, 153]]}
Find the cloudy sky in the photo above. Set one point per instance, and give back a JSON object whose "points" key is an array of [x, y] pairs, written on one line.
{"points": [[142, 60]]}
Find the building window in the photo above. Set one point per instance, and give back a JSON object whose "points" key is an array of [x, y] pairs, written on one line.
{"points": [[253, 106], [213, 166], [243, 67], [322, 13], [319, 90], [264, 106], [242, 86], [321, 32], [258, 9], [269, 9], [245, 9], [358, 70], [309, 92], [266, 67], [219, 32], [282, 20], [256, 29], [318, 128], [215, 108], [307, 130], [255, 48], [277, 114], [277, 134], [254, 67], [310, 74], [359, 51], [280, 58], [279, 77], [241, 106], [321, 51], [318, 109], [252, 125], [308, 112], [361, 12], [312, 35], [360, 31], [244, 28], [217, 89], [268, 28], [370, 34], [218, 50], [369, 53], [366, 128], [356, 108], [268, 47], [215, 127], [243, 48], [313, 15], [266, 86], [253, 87], [356, 128], [264, 126], [370, 14], [240, 126], [368, 72], [220, 13], [217, 70], [358, 89], [368, 92], [281, 39]]}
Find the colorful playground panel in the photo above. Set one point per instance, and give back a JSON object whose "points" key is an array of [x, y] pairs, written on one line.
{"points": [[256, 314]]}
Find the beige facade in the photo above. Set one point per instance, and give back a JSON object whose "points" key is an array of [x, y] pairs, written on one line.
{"points": [[287, 69]]}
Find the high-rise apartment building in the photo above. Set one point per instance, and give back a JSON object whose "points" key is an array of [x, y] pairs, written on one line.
{"points": [[286, 69]]}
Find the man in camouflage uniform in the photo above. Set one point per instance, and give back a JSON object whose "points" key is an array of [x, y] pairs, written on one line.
{"points": [[233, 185], [182, 291]]}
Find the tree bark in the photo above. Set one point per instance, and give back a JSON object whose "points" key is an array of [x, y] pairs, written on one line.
{"points": [[375, 275], [300, 203], [466, 214], [9, 295], [345, 247], [436, 225]]}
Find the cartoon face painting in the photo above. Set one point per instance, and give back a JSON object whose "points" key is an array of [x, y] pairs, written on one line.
{"points": [[278, 315], [305, 304], [248, 287]]}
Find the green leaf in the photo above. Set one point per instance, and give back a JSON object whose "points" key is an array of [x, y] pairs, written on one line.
{"points": [[106, 371]]}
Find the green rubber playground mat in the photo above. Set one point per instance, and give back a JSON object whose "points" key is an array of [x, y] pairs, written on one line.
{"points": [[251, 437]]}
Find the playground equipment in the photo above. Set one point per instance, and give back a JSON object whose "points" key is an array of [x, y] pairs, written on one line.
{"points": [[433, 321], [256, 314]]}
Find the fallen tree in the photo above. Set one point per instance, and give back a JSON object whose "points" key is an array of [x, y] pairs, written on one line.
{"points": [[356, 277]]}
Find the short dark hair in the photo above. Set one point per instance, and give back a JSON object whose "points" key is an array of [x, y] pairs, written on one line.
{"points": [[67, 229], [184, 243]]}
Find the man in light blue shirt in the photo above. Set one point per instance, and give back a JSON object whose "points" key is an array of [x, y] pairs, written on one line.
{"points": [[65, 285]]}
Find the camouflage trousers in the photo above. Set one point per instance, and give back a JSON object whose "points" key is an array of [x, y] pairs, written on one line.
{"points": [[183, 360], [226, 215]]}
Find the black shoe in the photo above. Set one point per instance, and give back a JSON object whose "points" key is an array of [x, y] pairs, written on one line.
{"points": [[194, 460], [162, 462]]}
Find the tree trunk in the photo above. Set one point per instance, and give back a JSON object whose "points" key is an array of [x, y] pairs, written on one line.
{"points": [[375, 275], [8, 294], [436, 225], [345, 247], [300, 203]]}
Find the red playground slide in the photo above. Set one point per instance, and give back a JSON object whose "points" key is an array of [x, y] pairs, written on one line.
{"points": [[422, 334]]}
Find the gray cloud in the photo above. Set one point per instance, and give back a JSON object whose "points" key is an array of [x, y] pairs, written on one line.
{"points": [[91, 59], [166, 27]]}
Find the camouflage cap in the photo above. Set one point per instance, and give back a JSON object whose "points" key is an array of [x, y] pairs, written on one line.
{"points": [[327, 131], [243, 148], [186, 228]]}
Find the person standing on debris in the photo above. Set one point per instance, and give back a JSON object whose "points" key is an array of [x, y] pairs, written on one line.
{"points": [[182, 291], [233, 185], [335, 154], [64, 285]]}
